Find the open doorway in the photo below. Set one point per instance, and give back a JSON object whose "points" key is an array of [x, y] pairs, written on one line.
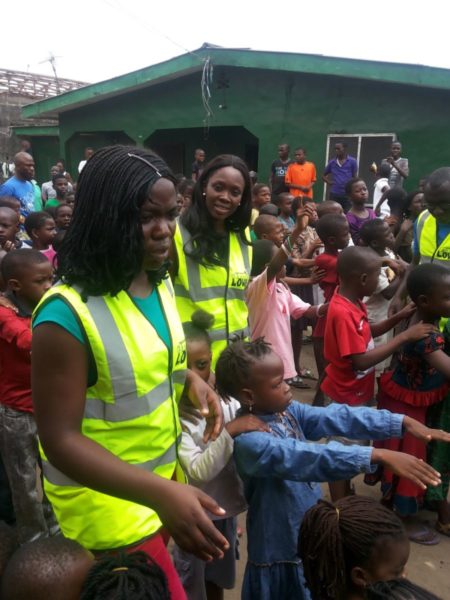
{"points": [[177, 146]]}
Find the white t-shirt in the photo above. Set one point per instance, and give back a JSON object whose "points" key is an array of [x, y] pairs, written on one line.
{"points": [[378, 188]]}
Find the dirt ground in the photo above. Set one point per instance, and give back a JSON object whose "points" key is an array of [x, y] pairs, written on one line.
{"points": [[428, 566]]}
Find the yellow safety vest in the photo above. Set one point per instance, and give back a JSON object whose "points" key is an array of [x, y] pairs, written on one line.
{"points": [[426, 231], [218, 290], [131, 411]]}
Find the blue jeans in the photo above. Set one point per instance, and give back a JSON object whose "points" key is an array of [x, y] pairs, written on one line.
{"points": [[20, 455]]}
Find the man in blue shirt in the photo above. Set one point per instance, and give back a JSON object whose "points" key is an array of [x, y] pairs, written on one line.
{"points": [[337, 172], [19, 185]]}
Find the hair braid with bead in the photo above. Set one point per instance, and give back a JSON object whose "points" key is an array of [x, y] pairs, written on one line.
{"points": [[123, 576], [336, 537]]}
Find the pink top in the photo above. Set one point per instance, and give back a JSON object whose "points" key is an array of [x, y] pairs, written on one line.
{"points": [[270, 308], [49, 253]]}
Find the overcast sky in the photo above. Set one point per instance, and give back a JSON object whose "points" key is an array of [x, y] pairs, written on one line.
{"points": [[94, 40]]}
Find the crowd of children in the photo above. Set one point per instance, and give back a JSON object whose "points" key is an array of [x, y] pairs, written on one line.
{"points": [[382, 403]]}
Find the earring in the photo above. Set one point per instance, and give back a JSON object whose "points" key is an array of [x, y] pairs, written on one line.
{"points": [[250, 408], [204, 194]]}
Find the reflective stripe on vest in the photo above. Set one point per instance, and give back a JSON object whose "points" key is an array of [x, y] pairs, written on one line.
{"points": [[215, 289], [130, 410], [426, 232]]}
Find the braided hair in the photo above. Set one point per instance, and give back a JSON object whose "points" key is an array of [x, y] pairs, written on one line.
{"points": [[235, 363], [124, 576], [398, 589], [103, 249], [334, 538], [205, 246]]}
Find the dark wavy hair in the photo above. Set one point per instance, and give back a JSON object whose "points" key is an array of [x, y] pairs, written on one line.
{"points": [[103, 249], [205, 245]]}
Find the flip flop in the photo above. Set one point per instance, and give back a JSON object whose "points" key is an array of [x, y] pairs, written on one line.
{"points": [[443, 528], [307, 374], [298, 382], [423, 535]]}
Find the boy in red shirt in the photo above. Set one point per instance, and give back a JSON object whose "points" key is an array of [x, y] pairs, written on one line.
{"points": [[349, 349], [27, 275], [333, 230]]}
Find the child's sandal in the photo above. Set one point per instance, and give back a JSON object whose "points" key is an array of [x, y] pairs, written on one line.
{"points": [[443, 528], [298, 382]]}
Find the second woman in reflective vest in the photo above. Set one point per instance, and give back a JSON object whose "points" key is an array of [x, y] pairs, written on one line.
{"points": [[109, 366], [212, 253]]}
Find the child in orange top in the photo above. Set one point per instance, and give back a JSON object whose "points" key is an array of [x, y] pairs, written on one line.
{"points": [[301, 175]]}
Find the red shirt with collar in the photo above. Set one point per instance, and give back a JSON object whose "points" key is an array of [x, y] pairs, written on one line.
{"points": [[328, 283], [347, 332], [15, 360]]}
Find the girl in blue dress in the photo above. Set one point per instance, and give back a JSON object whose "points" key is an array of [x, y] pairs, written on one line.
{"points": [[280, 467]]}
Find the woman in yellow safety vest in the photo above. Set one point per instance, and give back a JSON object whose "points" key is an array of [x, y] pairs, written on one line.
{"points": [[109, 368], [211, 253]]}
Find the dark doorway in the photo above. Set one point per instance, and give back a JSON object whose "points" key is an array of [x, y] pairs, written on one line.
{"points": [[177, 146]]}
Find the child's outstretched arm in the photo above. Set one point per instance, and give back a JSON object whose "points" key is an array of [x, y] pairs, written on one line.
{"points": [[382, 327], [264, 455], [368, 359], [406, 465], [303, 216]]}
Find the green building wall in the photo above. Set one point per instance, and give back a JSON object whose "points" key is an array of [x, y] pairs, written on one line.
{"points": [[265, 107]]}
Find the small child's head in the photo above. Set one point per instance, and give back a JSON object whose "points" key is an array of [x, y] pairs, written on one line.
{"points": [[41, 229], [283, 151], [199, 155], [260, 195], [63, 216], [9, 225], [397, 589], [428, 287], [270, 228], [334, 231], [437, 195], [253, 374], [349, 545], [396, 201], [377, 234], [356, 190], [53, 568], [384, 170], [300, 156], [198, 343], [269, 209], [28, 274], [359, 270], [60, 185], [263, 252], [122, 575], [329, 207], [186, 189], [10, 202], [70, 199], [285, 201], [414, 204]]}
